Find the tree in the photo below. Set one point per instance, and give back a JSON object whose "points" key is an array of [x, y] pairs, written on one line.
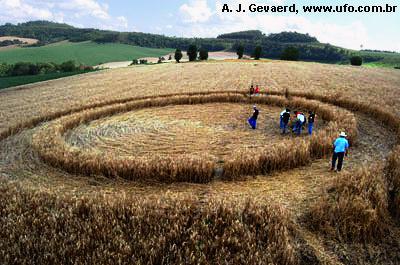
{"points": [[257, 53], [356, 60], [5, 69], [203, 54], [290, 54], [192, 52], [21, 68], [240, 51], [68, 66], [178, 55]]}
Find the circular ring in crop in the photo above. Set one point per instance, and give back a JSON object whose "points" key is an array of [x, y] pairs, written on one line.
{"points": [[53, 148]]}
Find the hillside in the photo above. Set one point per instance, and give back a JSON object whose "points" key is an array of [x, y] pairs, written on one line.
{"points": [[273, 45], [87, 53]]}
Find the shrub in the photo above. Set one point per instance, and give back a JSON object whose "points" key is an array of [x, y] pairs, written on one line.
{"points": [[24, 68], [192, 52], [397, 67], [356, 60], [5, 69], [257, 53], [68, 66], [45, 68], [20, 68], [203, 54], [290, 54], [178, 55]]}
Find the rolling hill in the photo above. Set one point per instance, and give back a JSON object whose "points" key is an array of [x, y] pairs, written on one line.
{"points": [[87, 53], [114, 48]]}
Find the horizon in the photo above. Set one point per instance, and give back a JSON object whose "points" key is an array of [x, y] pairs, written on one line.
{"points": [[205, 19]]}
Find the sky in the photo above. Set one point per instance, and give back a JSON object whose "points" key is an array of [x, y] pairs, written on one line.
{"points": [[204, 18]]}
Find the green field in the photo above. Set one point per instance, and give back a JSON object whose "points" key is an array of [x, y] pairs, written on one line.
{"points": [[27, 79], [87, 53], [386, 59]]}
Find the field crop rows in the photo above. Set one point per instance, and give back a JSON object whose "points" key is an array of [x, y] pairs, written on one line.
{"points": [[299, 216]]}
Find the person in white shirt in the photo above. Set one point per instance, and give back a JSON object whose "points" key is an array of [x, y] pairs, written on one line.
{"points": [[299, 123]]}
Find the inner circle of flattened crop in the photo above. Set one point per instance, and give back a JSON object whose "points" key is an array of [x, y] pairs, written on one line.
{"points": [[183, 138], [214, 130]]}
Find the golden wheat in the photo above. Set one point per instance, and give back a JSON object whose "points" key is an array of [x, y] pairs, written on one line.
{"points": [[53, 149]]}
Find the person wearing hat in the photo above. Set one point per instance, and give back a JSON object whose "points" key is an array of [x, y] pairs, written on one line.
{"points": [[253, 119], [340, 149]]}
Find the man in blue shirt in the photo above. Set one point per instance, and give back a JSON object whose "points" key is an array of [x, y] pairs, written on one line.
{"points": [[340, 146]]}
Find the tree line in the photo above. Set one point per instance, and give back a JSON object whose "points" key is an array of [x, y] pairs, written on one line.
{"points": [[5, 43], [254, 42], [27, 68]]}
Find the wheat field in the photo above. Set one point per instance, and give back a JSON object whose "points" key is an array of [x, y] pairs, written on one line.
{"points": [[78, 174]]}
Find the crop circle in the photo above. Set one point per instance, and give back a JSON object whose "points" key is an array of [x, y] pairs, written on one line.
{"points": [[54, 148]]}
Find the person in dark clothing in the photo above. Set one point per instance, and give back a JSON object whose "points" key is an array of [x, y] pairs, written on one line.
{"points": [[251, 90], [253, 119], [311, 120], [285, 120]]}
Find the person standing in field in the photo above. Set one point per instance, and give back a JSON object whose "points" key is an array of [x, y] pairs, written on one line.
{"points": [[253, 119], [281, 116], [311, 120], [285, 120], [340, 150], [251, 90], [257, 90]]}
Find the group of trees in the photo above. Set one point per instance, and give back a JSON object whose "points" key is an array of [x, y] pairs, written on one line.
{"points": [[289, 54], [306, 52], [5, 43], [26, 68], [193, 53]]}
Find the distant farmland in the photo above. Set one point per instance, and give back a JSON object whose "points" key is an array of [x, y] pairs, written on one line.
{"points": [[88, 53]]}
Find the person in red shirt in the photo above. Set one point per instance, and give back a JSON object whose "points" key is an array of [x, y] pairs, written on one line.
{"points": [[257, 90]]}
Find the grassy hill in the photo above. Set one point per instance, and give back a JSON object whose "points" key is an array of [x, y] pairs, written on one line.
{"points": [[11, 81], [273, 45], [381, 59], [87, 53]]}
